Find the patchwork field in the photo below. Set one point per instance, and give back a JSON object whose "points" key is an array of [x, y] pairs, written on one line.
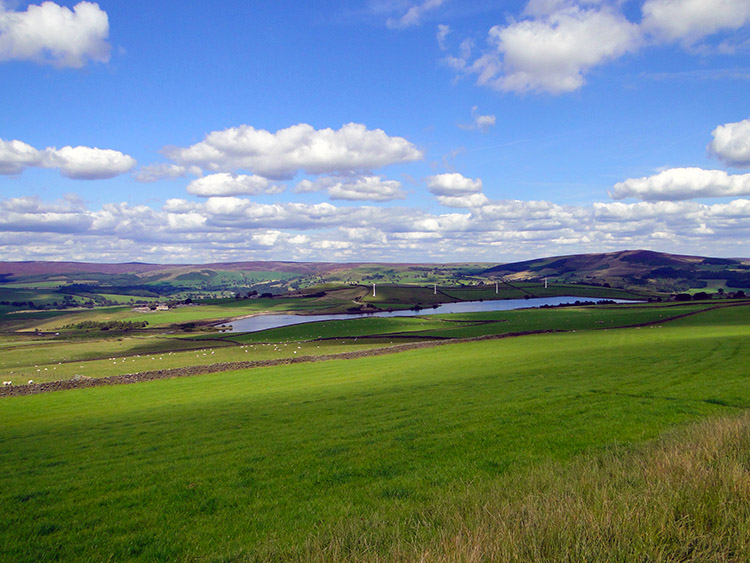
{"points": [[94, 355], [421, 455]]}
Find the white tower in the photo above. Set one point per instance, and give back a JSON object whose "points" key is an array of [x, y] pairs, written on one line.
{"points": [[373, 290]]}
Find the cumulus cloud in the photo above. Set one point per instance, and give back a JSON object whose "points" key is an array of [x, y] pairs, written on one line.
{"points": [[688, 21], [414, 14], [55, 35], [86, 163], [298, 148], [552, 52], [30, 214], [224, 184], [15, 156], [464, 202], [453, 185], [554, 44], [79, 163], [233, 228], [161, 171], [683, 183], [360, 188], [731, 144]]}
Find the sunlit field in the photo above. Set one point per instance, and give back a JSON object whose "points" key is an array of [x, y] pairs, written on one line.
{"points": [[390, 457]]}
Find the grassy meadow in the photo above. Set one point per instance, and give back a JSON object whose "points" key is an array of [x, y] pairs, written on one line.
{"points": [[320, 299], [545, 447], [93, 355]]}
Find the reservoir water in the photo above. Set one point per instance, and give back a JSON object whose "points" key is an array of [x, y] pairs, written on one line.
{"points": [[264, 322]]}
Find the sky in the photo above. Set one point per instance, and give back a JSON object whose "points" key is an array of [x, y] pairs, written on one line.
{"points": [[373, 130]]}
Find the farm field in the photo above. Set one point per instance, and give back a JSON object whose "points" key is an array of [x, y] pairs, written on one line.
{"points": [[322, 298], [472, 325], [415, 455], [96, 356]]}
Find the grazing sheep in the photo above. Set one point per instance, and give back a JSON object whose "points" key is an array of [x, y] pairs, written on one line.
{"points": [[31, 382], [6, 383]]}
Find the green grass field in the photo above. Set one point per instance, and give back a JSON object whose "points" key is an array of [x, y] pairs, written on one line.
{"points": [[383, 458], [337, 299], [93, 355]]}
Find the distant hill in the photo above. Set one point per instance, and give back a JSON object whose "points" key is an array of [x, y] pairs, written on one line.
{"points": [[628, 268], [666, 272], [33, 268]]}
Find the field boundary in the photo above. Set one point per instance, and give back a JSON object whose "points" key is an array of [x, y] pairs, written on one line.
{"points": [[188, 371], [67, 384]]}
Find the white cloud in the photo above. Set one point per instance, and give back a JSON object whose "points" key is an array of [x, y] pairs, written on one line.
{"points": [[414, 14], [360, 188], [79, 163], [683, 183], [691, 20], [297, 148], [161, 171], [442, 33], [15, 156], [731, 144], [553, 52], [30, 214], [235, 228], [453, 185], [55, 34], [480, 122], [661, 211], [224, 184], [555, 43], [464, 202], [86, 163]]}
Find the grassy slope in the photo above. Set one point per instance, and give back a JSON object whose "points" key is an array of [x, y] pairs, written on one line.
{"points": [[152, 358], [252, 463], [337, 300], [98, 357], [685, 497], [467, 325]]}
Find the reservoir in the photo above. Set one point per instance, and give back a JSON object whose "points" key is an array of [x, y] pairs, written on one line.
{"points": [[264, 322]]}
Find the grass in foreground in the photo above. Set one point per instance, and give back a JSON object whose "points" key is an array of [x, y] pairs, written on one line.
{"points": [[685, 497], [364, 455]]}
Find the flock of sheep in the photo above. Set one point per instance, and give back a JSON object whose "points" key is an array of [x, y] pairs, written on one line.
{"points": [[8, 383]]}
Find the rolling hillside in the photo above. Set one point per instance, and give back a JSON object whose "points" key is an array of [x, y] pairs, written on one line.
{"points": [[641, 268], [634, 269]]}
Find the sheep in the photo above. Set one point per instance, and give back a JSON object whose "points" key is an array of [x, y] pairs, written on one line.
{"points": [[7, 383], [31, 382]]}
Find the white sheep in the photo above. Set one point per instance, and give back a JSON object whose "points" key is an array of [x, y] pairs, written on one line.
{"points": [[7, 383], [31, 382]]}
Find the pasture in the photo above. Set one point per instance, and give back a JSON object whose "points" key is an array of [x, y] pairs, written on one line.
{"points": [[94, 355], [390, 457]]}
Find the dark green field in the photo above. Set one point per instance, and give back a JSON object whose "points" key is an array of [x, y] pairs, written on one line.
{"points": [[94, 354], [380, 458]]}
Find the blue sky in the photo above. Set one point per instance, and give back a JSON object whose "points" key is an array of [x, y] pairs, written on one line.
{"points": [[373, 130]]}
